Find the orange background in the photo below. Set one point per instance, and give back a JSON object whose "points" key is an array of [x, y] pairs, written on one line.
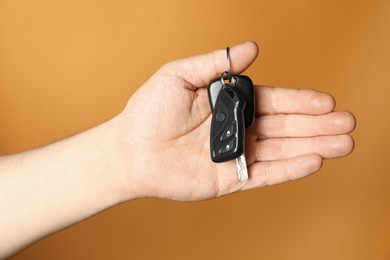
{"points": [[66, 66]]}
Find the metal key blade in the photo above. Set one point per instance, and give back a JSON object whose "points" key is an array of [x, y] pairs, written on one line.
{"points": [[242, 168]]}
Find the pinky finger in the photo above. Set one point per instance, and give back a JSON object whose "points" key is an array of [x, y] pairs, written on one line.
{"points": [[275, 172]]}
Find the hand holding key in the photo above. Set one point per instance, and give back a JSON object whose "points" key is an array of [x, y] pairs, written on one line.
{"points": [[159, 146], [165, 132]]}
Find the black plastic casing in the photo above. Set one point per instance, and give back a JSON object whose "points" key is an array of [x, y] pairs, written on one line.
{"points": [[245, 86], [230, 104]]}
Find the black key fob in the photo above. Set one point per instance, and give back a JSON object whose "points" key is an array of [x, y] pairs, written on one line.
{"points": [[245, 86], [227, 137]]}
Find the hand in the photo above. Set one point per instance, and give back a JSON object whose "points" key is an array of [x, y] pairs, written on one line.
{"points": [[165, 127], [159, 147]]}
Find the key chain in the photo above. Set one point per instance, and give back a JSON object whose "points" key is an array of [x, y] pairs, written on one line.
{"points": [[232, 103]]}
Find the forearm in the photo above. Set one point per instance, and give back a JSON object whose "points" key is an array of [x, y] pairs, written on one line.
{"points": [[47, 189]]}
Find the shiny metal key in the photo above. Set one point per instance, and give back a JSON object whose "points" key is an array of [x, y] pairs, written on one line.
{"points": [[242, 169]]}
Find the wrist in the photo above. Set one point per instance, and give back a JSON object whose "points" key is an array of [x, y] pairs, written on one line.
{"points": [[110, 159], [120, 159], [133, 158]]}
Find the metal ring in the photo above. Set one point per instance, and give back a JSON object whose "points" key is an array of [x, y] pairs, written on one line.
{"points": [[228, 62], [232, 80], [222, 78]]}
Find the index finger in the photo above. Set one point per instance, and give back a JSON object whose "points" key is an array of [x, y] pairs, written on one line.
{"points": [[271, 100]]}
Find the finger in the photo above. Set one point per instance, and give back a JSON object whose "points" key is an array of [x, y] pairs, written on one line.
{"points": [[334, 123], [274, 172], [283, 148], [200, 70], [292, 101]]}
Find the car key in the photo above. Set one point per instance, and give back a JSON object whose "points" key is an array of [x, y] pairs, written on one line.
{"points": [[227, 125], [232, 102], [227, 137]]}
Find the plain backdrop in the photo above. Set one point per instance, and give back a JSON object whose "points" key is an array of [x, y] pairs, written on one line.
{"points": [[68, 65]]}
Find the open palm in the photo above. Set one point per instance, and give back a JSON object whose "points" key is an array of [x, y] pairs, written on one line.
{"points": [[166, 126]]}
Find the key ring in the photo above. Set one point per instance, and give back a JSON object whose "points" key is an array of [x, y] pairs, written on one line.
{"points": [[228, 62], [227, 72]]}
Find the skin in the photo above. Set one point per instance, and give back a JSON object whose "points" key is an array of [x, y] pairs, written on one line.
{"points": [[158, 146]]}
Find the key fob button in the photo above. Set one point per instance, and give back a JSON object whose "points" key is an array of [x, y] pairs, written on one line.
{"points": [[228, 132], [229, 146], [220, 117]]}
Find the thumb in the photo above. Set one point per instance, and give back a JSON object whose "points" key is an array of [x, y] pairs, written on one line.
{"points": [[200, 70]]}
